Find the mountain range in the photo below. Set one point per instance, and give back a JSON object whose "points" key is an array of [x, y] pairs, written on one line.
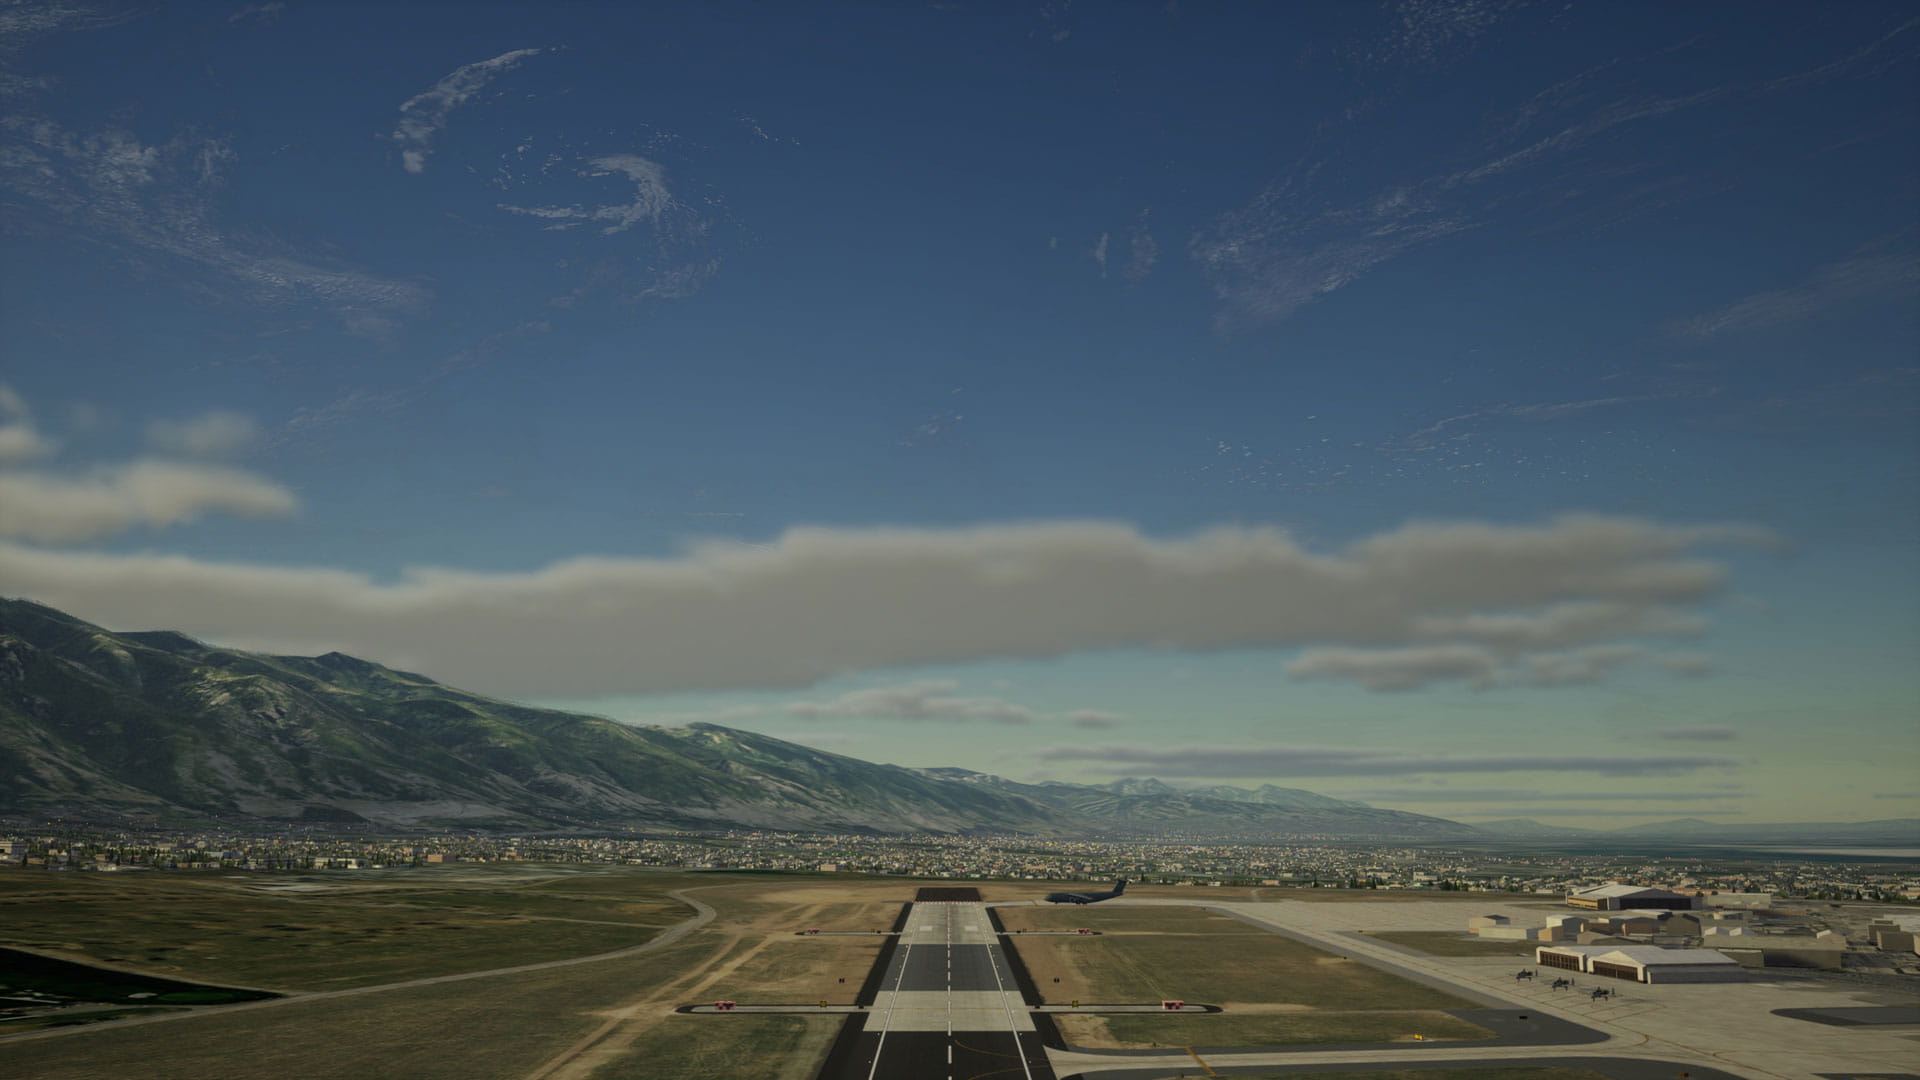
{"points": [[156, 726]]}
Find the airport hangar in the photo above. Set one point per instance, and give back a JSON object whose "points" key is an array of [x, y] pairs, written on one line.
{"points": [[1642, 963], [1635, 897]]}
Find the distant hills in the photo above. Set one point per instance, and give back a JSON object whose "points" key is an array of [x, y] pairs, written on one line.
{"points": [[103, 725]]}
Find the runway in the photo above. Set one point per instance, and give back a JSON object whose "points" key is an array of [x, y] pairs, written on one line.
{"points": [[947, 1005]]}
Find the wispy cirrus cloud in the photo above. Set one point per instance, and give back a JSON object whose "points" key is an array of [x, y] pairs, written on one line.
{"points": [[1235, 762], [1313, 230], [1870, 272], [160, 203], [423, 115], [650, 200]]}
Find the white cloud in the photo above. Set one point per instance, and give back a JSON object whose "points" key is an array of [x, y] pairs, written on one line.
{"points": [[816, 602], [823, 740], [1690, 665], [1559, 625], [1093, 718], [423, 115], [1398, 669], [1099, 254], [51, 508], [1699, 733], [20, 442], [1235, 762], [1500, 795], [929, 700], [19, 439], [1575, 667], [1419, 667], [211, 434]]}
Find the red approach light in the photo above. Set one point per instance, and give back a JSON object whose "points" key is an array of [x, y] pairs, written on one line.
{"points": [[1173, 1006], [723, 1006]]}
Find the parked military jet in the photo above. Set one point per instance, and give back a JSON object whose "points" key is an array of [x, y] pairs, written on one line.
{"points": [[1087, 897]]}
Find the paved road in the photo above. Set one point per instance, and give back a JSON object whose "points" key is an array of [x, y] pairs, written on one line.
{"points": [[947, 1008], [702, 916]]}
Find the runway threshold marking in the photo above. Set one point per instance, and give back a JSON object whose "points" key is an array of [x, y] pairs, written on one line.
{"points": [[1202, 1064]]}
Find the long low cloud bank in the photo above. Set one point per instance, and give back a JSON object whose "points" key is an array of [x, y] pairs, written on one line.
{"points": [[1233, 762], [817, 602]]}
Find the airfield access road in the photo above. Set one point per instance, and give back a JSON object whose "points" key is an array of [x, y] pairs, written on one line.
{"points": [[702, 916]]}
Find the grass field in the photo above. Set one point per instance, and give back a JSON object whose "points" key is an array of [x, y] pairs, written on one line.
{"points": [[1275, 989], [735, 1047], [1448, 943], [40, 992], [328, 932], [608, 1018], [1469, 1072], [1267, 1029]]}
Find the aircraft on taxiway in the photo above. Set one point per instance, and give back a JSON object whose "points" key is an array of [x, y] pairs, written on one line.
{"points": [[1087, 897]]}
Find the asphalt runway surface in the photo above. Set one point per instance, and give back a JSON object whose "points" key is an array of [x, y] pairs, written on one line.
{"points": [[946, 1005]]}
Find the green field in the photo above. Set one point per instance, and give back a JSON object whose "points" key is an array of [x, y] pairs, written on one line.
{"points": [[1448, 943]]}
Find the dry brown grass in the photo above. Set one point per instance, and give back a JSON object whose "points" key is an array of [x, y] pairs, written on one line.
{"points": [[1275, 990], [561, 1024]]}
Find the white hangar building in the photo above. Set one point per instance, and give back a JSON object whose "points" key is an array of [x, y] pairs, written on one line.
{"points": [[1642, 963]]}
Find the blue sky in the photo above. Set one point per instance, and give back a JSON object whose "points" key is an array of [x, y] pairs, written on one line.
{"points": [[1489, 409]]}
